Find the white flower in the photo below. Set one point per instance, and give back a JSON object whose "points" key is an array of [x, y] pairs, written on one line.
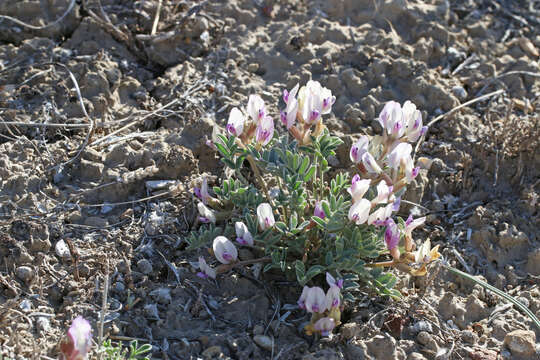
{"points": [[358, 149], [235, 125], [243, 236], [411, 224], [399, 155], [391, 119], [383, 193], [315, 300], [79, 340], [287, 96], [265, 216], [207, 215], [288, 116], [413, 121], [325, 325], [302, 300], [359, 211], [224, 250], [333, 297], [359, 187], [255, 108], [206, 270], [265, 131], [379, 216], [370, 163]]}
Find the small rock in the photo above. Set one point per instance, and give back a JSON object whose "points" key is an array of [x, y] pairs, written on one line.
{"points": [[62, 250], [119, 287], [258, 330], [521, 343], [350, 330], [382, 347], [469, 336], [43, 323], [415, 356], [422, 326], [265, 342], [253, 67], [25, 273], [96, 221], [151, 311], [212, 352], [459, 92], [427, 340], [26, 305], [144, 266], [161, 295], [84, 270]]}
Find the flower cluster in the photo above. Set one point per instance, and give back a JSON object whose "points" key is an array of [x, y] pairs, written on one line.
{"points": [[325, 308], [254, 122], [225, 251], [77, 343]]}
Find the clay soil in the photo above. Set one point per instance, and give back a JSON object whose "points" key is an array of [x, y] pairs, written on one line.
{"points": [[108, 196]]}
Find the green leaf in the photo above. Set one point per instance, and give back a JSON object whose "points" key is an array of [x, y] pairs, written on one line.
{"points": [[329, 258], [300, 270], [326, 208], [314, 271], [293, 221], [319, 221], [281, 226], [304, 165], [309, 174]]}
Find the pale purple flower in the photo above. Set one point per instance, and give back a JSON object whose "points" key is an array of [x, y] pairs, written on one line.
{"points": [[265, 216], [315, 300], [358, 149], [333, 282], [391, 119], [211, 144], [399, 155], [325, 325], [410, 172], [391, 235], [265, 130], [255, 108], [207, 215], [287, 96], [413, 121], [235, 125], [302, 300], [411, 224], [78, 342], [243, 236], [359, 187], [370, 163], [318, 211], [203, 193], [206, 270], [224, 250], [333, 297], [359, 211], [288, 116], [310, 101], [379, 216]]}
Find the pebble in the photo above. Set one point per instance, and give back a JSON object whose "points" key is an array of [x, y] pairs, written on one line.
{"points": [[258, 330], [43, 323], [119, 287], [253, 67], [264, 341], [422, 326], [62, 250], [521, 343], [25, 273], [161, 295], [151, 311], [459, 92], [144, 266], [350, 330], [211, 352], [415, 356], [469, 336], [96, 221]]}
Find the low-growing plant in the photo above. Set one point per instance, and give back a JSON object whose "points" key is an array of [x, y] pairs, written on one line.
{"points": [[304, 221], [132, 352]]}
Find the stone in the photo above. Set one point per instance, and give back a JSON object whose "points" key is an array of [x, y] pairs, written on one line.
{"points": [[62, 250], [96, 221], [161, 295], [415, 356], [469, 336], [258, 329], [144, 266], [212, 352], [382, 347], [25, 273], [521, 343], [265, 342], [460, 92], [350, 330]]}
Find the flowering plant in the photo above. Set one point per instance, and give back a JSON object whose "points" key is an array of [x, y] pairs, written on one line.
{"points": [[292, 216]]}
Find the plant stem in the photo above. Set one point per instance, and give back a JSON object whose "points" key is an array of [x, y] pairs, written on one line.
{"points": [[226, 267], [501, 293], [258, 175]]}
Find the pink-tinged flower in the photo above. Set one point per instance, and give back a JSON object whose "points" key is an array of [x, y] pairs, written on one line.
{"points": [[413, 121], [333, 282], [315, 300], [288, 116], [358, 149], [302, 300], [333, 297], [243, 236], [318, 211], [287, 96], [410, 172], [399, 155], [391, 235], [203, 193], [78, 341], [312, 110], [211, 144], [265, 216], [325, 325], [265, 130], [224, 250], [384, 192], [370, 163], [206, 270], [235, 125], [359, 211], [391, 119], [411, 224], [379, 216], [255, 108], [359, 187], [206, 214]]}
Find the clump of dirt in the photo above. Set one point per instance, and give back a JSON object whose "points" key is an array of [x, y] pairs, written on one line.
{"points": [[121, 208]]}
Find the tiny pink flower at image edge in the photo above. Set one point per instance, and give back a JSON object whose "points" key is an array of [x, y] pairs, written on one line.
{"points": [[78, 341]]}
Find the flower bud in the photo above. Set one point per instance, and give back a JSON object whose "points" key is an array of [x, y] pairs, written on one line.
{"points": [[359, 211], [288, 96], [391, 235], [315, 300], [325, 325], [243, 236], [224, 250], [318, 211], [265, 216], [78, 341], [255, 108], [333, 297], [206, 270], [235, 125], [359, 187], [206, 214], [370, 163], [333, 282]]}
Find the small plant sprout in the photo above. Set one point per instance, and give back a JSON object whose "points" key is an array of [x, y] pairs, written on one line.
{"points": [[77, 343], [312, 223]]}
